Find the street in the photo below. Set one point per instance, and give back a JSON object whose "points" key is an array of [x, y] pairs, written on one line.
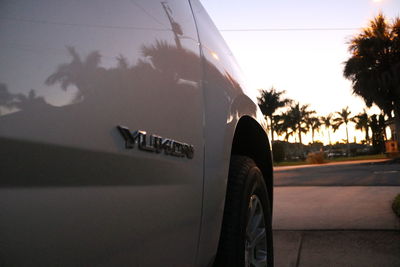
{"points": [[337, 215], [378, 173]]}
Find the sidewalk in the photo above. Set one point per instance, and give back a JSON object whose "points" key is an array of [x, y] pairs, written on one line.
{"points": [[337, 248], [335, 207], [336, 225]]}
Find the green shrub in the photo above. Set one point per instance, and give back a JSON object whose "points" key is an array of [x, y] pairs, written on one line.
{"points": [[278, 151], [396, 205], [316, 157]]}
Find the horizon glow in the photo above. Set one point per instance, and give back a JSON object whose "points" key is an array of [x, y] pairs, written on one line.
{"points": [[308, 65]]}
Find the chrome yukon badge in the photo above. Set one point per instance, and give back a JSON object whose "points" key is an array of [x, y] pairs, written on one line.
{"points": [[155, 143]]}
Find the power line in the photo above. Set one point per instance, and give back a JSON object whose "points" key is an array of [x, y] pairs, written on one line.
{"points": [[288, 29], [147, 13], [39, 21]]}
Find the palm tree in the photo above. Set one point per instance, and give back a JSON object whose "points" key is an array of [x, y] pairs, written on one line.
{"points": [[362, 122], [284, 126], [7, 99], [298, 118], [327, 121], [374, 66], [19, 101], [122, 62], [314, 123], [29, 101], [269, 101], [78, 72], [343, 118], [377, 125]]}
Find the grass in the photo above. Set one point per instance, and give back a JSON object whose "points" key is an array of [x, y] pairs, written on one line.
{"points": [[340, 159], [366, 157], [396, 205], [290, 163]]}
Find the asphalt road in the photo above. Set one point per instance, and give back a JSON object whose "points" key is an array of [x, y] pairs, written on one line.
{"points": [[356, 174]]}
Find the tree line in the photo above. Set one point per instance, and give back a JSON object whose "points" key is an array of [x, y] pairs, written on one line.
{"points": [[298, 120], [374, 67], [374, 70]]}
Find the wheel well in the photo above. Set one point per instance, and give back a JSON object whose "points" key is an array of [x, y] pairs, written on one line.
{"points": [[251, 140]]}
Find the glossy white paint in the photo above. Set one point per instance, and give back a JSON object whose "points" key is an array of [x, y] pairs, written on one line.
{"points": [[227, 99], [70, 191], [93, 66]]}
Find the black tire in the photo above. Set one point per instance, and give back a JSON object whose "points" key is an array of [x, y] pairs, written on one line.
{"points": [[244, 182]]}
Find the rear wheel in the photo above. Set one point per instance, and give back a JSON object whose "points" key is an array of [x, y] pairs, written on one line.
{"points": [[246, 235]]}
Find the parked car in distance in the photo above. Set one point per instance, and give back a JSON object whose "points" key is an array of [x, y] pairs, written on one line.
{"points": [[128, 138]]}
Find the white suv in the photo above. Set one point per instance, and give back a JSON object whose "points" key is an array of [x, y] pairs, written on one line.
{"points": [[128, 138]]}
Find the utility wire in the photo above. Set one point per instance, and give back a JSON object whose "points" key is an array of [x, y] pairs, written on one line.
{"points": [[147, 13], [287, 29], [39, 21]]}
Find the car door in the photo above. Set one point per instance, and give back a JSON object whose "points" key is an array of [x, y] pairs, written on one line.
{"points": [[101, 130]]}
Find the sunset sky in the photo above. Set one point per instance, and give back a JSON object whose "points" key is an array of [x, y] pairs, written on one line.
{"points": [[301, 47]]}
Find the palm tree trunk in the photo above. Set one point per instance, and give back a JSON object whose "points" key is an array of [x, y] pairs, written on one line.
{"points": [[397, 123], [329, 136], [268, 121], [272, 129], [367, 134], [348, 145], [300, 136], [312, 135], [300, 143]]}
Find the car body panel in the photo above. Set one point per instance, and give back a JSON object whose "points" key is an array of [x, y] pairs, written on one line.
{"points": [[227, 100], [71, 192]]}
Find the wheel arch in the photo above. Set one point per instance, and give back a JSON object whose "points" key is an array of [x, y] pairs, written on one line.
{"points": [[251, 140]]}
